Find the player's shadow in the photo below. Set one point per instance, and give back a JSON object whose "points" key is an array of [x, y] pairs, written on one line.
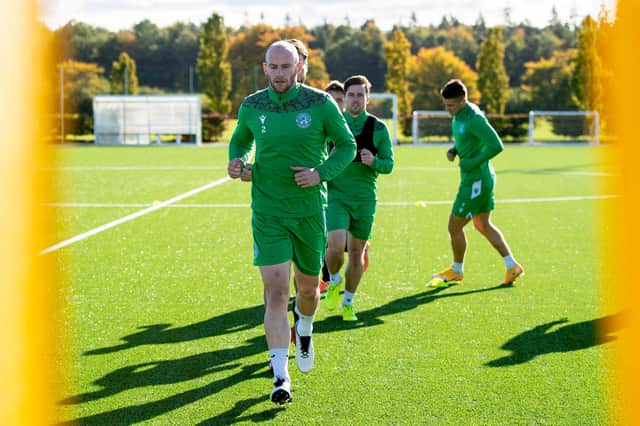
{"points": [[163, 372], [374, 316], [231, 322], [146, 411], [570, 337]]}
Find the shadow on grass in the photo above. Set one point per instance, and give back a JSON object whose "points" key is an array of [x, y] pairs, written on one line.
{"points": [[164, 372], [142, 412], [374, 316], [154, 373], [570, 337], [231, 322]]}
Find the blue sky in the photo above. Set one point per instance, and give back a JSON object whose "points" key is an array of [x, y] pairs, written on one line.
{"points": [[121, 14]]}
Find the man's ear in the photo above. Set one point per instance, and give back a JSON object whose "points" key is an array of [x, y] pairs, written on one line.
{"points": [[264, 68]]}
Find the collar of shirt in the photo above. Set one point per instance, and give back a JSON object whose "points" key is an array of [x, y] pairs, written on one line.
{"points": [[351, 120], [281, 98]]}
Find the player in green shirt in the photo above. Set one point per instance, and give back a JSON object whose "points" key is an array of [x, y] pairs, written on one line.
{"points": [[476, 142], [352, 195], [289, 123]]}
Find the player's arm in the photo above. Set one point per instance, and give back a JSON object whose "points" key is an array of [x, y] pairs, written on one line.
{"points": [[491, 143], [383, 160], [242, 138], [344, 150]]}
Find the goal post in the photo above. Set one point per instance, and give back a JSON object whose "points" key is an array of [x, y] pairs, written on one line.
{"points": [[143, 120], [383, 112], [564, 126], [435, 126]]}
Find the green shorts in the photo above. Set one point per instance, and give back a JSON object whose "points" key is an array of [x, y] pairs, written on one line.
{"points": [[278, 239], [355, 216], [474, 197]]}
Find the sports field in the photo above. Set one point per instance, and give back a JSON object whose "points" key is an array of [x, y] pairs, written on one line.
{"points": [[162, 311]]}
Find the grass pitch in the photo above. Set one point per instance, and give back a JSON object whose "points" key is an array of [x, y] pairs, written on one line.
{"points": [[162, 315]]}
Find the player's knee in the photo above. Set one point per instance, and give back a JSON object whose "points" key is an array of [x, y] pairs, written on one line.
{"points": [[308, 289], [481, 227], [276, 296]]}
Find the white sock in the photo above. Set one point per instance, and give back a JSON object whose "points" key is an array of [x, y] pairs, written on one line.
{"points": [[335, 278], [509, 261], [305, 323], [279, 363], [458, 267], [347, 298]]}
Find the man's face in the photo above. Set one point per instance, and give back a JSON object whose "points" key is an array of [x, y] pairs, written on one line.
{"points": [[356, 99], [281, 69], [454, 105], [338, 97]]}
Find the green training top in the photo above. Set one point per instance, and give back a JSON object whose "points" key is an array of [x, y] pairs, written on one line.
{"points": [[476, 142], [358, 181], [290, 129]]}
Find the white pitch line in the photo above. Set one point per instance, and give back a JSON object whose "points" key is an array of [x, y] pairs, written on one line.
{"points": [[502, 201], [380, 203], [132, 168], [188, 168], [134, 215]]}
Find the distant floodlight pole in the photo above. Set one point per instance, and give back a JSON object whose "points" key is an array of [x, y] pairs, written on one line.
{"points": [[61, 73], [190, 79]]}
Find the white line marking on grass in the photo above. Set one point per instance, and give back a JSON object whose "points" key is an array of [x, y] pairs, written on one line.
{"points": [[188, 168], [503, 201], [380, 203], [134, 215], [132, 168]]}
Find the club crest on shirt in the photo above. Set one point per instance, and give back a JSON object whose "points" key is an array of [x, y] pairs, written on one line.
{"points": [[303, 120]]}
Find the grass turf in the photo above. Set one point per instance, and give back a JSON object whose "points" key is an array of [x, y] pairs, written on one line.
{"points": [[162, 316]]}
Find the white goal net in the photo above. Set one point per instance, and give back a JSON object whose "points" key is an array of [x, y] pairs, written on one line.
{"points": [[141, 120], [430, 126], [385, 107], [564, 126]]}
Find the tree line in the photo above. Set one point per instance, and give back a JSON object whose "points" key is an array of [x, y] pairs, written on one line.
{"points": [[508, 69]]}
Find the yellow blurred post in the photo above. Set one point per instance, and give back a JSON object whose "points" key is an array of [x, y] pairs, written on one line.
{"points": [[26, 290], [624, 221]]}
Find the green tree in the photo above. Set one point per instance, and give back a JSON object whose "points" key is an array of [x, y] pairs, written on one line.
{"points": [[586, 80], [431, 69], [545, 83], [397, 55], [360, 52], [493, 81], [213, 68], [124, 70]]}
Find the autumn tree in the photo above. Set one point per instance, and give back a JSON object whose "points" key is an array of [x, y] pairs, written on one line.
{"points": [[398, 56], [82, 81], [586, 80], [545, 83], [213, 68], [124, 79], [431, 69], [246, 55], [493, 81]]}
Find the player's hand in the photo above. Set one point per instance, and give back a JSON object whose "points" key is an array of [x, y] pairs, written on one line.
{"points": [[451, 154], [234, 168], [306, 177], [245, 176], [366, 156]]}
